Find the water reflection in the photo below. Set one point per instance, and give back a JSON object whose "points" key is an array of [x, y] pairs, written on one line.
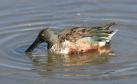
{"points": [[53, 62]]}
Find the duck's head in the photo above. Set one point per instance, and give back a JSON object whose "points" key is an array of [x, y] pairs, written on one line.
{"points": [[46, 35]]}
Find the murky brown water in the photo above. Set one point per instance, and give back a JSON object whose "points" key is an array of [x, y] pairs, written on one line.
{"points": [[20, 22]]}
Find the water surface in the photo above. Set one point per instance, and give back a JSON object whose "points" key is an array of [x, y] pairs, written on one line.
{"points": [[21, 20]]}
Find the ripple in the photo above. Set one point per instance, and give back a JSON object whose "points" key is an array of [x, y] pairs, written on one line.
{"points": [[15, 67]]}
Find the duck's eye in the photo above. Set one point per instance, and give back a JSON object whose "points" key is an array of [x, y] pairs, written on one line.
{"points": [[42, 35]]}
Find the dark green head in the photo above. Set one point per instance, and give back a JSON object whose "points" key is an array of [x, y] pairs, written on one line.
{"points": [[46, 35]]}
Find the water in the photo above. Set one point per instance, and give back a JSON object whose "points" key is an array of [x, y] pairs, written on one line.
{"points": [[21, 20]]}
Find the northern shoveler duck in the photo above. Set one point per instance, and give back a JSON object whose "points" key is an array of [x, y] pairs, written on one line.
{"points": [[74, 40]]}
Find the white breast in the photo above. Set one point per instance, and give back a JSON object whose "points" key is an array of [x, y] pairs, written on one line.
{"points": [[65, 47]]}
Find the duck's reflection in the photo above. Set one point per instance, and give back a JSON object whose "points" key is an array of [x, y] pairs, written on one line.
{"points": [[53, 65], [96, 57], [53, 61]]}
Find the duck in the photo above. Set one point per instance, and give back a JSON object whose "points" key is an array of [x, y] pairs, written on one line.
{"points": [[74, 40]]}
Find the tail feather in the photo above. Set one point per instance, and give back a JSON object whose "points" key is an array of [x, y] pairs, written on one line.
{"points": [[111, 35]]}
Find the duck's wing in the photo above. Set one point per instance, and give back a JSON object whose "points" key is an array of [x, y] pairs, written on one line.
{"points": [[72, 34], [104, 27], [105, 36], [103, 33]]}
